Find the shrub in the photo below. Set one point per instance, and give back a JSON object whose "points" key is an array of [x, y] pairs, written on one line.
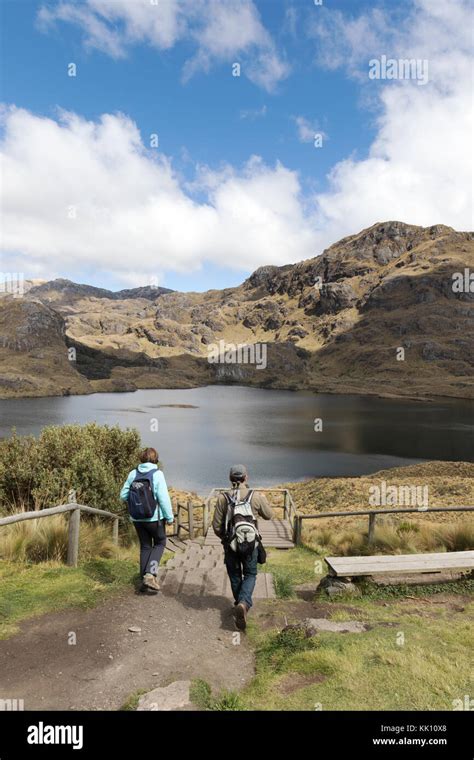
{"points": [[91, 460]]}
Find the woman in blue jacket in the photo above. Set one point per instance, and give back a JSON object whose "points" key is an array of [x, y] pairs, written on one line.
{"points": [[151, 530]]}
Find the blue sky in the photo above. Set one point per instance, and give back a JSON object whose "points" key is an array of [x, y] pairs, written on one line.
{"points": [[307, 68]]}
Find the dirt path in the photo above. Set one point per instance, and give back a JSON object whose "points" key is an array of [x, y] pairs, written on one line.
{"points": [[181, 638]]}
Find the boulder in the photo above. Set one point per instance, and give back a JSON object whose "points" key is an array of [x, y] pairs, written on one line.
{"points": [[297, 332], [269, 315], [336, 296], [334, 586], [167, 698]]}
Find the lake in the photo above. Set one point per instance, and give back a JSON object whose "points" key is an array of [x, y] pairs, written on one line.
{"points": [[270, 431]]}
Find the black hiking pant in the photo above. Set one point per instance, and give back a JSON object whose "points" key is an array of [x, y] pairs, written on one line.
{"points": [[152, 536]]}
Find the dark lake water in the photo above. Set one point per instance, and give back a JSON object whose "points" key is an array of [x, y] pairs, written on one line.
{"points": [[272, 432]]}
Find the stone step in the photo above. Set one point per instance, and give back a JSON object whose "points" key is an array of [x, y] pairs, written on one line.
{"points": [[172, 580], [194, 583], [197, 557], [215, 582], [175, 563], [209, 563]]}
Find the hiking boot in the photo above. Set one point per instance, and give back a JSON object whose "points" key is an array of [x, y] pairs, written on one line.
{"points": [[149, 583], [155, 583], [241, 616]]}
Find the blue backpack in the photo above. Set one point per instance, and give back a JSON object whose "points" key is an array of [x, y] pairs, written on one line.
{"points": [[141, 499]]}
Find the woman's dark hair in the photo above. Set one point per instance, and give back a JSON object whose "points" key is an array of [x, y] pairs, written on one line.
{"points": [[149, 455]]}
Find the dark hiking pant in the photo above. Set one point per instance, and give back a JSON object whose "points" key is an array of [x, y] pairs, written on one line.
{"points": [[242, 572], [152, 537]]}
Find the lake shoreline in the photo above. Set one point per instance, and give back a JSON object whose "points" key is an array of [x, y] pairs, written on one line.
{"points": [[349, 391]]}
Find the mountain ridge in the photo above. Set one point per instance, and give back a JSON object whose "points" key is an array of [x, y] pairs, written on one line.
{"points": [[331, 323]]}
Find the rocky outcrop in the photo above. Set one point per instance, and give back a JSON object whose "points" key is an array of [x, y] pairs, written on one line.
{"points": [[336, 296], [333, 322], [267, 315], [34, 357]]}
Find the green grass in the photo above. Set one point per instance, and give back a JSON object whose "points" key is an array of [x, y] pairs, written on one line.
{"points": [[200, 693], [132, 701], [416, 656], [35, 589], [201, 696], [368, 671], [292, 567], [228, 701]]}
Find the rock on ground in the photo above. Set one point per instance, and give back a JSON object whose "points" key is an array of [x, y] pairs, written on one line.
{"points": [[172, 697], [335, 586]]}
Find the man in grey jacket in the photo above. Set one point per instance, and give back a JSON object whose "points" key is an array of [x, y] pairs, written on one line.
{"points": [[241, 569]]}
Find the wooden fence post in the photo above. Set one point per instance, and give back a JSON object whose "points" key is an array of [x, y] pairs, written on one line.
{"points": [[297, 530], [178, 520], [190, 519], [370, 535], [73, 537], [115, 531], [286, 505]]}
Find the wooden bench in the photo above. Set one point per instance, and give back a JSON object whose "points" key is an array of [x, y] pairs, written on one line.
{"points": [[398, 564]]}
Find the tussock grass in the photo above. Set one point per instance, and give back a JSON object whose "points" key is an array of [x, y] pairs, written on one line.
{"points": [[46, 539], [448, 484], [392, 537]]}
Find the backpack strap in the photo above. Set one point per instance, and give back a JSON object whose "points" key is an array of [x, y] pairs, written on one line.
{"points": [[228, 514]]}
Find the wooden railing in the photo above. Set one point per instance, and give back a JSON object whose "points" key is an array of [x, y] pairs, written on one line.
{"points": [[192, 525], [288, 505], [372, 515], [74, 524]]}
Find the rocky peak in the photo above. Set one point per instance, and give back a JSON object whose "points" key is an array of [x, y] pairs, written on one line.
{"points": [[62, 289], [268, 278]]}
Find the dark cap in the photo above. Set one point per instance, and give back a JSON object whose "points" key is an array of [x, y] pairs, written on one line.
{"points": [[237, 472]]}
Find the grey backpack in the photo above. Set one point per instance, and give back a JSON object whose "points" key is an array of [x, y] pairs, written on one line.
{"points": [[241, 529]]}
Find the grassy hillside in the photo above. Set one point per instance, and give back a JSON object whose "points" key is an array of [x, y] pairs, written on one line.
{"points": [[332, 323]]}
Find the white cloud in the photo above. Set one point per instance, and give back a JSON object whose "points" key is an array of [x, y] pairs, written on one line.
{"points": [[419, 167], [130, 212], [135, 214], [222, 31], [307, 130]]}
